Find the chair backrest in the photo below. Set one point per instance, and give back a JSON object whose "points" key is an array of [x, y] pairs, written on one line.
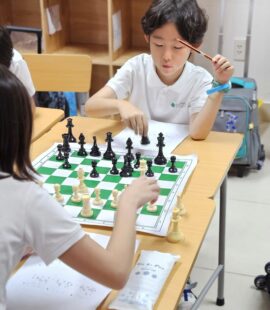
{"points": [[55, 72]]}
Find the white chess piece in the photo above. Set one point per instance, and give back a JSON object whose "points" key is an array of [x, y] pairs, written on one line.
{"points": [[97, 201], [175, 235], [180, 206], [151, 206], [115, 198], [82, 187], [142, 167], [86, 209], [58, 195], [76, 197]]}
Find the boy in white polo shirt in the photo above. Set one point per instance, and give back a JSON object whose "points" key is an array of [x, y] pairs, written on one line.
{"points": [[164, 86]]}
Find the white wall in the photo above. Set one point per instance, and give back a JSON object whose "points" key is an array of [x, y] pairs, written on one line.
{"points": [[235, 26]]}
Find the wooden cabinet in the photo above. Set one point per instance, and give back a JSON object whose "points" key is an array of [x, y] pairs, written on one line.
{"points": [[107, 30]]}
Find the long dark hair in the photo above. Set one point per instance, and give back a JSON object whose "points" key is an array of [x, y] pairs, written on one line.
{"points": [[15, 127], [6, 47], [189, 19]]}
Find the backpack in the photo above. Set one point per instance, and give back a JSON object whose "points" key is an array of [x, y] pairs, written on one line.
{"points": [[54, 100]]}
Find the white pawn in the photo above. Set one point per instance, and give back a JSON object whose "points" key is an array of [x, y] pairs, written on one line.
{"points": [[82, 187], [86, 209], [115, 198], [97, 201], [142, 167], [151, 207], [180, 206], [174, 234], [76, 197], [58, 195]]}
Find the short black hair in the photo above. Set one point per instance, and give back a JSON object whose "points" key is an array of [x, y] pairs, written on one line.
{"points": [[6, 47], [189, 19], [15, 127]]}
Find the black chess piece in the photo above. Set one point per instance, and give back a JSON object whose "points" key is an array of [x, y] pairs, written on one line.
{"points": [[95, 152], [94, 173], [173, 169], [149, 172], [160, 159], [66, 164], [59, 155], [145, 140], [126, 171], [69, 125], [128, 164], [114, 169], [82, 151], [138, 157], [109, 154], [129, 147], [65, 146]]}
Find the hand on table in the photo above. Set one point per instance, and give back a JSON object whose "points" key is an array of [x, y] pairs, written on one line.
{"points": [[133, 118]]}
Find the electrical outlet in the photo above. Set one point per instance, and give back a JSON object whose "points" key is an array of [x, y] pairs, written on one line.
{"points": [[239, 49]]}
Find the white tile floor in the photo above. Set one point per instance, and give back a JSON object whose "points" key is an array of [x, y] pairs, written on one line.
{"points": [[247, 240]]}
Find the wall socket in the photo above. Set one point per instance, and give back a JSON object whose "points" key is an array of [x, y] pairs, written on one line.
{"points": [[239, 49]]}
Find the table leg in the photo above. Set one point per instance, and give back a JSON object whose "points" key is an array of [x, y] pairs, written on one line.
{"points": [[221, 251]]}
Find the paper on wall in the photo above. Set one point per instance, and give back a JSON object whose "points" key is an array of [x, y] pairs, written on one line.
{"points": [[53, 19]]}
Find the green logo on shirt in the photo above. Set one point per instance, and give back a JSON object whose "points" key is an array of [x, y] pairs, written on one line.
{"points": [[173, 104]]}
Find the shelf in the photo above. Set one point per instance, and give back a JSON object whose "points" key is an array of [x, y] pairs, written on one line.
{"points": [[84, 29], [127, 55], [22, 13], [98, 53], [109, 31]]}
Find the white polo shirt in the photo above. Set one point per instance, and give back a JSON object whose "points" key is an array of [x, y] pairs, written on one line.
{"points": [[138, 82], [20, 69]]}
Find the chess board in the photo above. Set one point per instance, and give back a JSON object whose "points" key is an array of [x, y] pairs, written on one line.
{"points": [[156, 223]]}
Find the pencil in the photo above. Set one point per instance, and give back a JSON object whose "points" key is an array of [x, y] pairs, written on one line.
{"points": [[195, 49]]}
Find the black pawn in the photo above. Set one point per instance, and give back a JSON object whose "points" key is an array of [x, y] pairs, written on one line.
{"points": [[95, 152], [160, 159], [65, 147], [69, 125], [114, 169], [173, 169], [82, 151], [109, 154], [126, 171], [59, 155], [129, 148], [145, 140], [138, 158], [66, 164], [94, 173], [149, 172]]}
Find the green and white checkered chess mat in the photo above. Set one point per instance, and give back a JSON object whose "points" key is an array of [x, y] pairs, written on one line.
{"points": [[150, 222]]}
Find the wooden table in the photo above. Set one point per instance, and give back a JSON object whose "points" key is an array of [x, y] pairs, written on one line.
{"points": [[215, 154], [44, 120]]}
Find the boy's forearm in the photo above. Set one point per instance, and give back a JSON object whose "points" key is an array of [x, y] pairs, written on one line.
{"points": [[98, 107], [203, 122]]}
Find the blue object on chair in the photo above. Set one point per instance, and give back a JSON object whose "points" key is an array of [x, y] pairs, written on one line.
{"points": [[72, 102]]}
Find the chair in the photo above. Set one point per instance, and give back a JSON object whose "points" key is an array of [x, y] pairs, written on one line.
{"points": [[60, 72]]}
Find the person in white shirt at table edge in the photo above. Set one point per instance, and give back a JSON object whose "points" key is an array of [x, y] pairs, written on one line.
{"points": [[13, 60]]}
